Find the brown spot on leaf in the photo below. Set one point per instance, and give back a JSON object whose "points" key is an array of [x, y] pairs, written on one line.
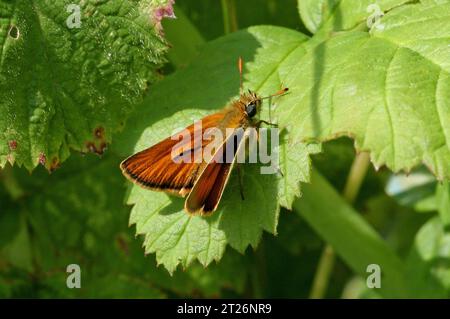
{"points": [[91, 147], [99, 132], [102, 147], [55, 164], [12, 145], [42, 159], [99, 150], [123, 245]]}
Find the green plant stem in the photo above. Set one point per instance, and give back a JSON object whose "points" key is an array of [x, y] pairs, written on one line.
{"points": [[355, 178], [229, 16], [225, 15], [323, 272]]}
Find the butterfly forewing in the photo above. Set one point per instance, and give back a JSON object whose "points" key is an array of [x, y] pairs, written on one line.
{"points": [[155, 167]]}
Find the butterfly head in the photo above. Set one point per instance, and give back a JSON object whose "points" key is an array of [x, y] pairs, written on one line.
{"points": [[251, 103]]}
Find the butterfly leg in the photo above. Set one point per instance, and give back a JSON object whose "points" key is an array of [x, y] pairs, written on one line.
{"points": [[279, 171], [258, 124], [241, 180]]}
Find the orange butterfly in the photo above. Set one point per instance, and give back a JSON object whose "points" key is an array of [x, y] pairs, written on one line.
{"points": [[202, 180]]}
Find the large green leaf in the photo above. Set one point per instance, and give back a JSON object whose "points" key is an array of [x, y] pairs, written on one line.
{"points": [[208, 84], [65, 85], [388, 89], [74, 216], [353, 239]]}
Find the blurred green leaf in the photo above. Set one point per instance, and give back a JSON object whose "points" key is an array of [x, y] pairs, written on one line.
{"points": [[76, 215], [426, 204], [397, 224], [184, 39], [415, 196], [17, 250], [10, 223], [353, 239], [428, 266], [443, 203]]}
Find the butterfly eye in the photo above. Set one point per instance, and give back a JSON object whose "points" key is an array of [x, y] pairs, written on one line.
{"points": [[250, 109]]}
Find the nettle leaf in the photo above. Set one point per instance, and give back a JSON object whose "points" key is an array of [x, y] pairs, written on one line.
{"points": [[70, 72], [191, 93], [428, 262], [388, 89]]}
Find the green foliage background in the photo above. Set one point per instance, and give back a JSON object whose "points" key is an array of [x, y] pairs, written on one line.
{"points": [[310, 233]]}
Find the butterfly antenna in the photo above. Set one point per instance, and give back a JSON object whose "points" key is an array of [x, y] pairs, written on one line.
{"points": [[270, 109], [240, 67], [280, 92]]}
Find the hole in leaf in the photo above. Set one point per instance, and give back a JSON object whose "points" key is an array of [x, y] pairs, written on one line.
{"points": [[14, 32], [94, 149]]}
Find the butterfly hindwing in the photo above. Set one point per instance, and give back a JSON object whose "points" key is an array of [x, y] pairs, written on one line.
{"points": [[208, 188]]}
